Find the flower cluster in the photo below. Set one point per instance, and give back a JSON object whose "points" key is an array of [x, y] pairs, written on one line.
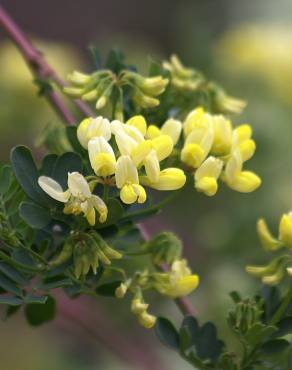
{"points": [[178, 282], [213, 149], [281, 265], [188, 80], [102, 85], [125, 155]]}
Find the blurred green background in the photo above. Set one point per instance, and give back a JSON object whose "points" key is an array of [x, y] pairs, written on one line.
{"points": [[246, 46]]}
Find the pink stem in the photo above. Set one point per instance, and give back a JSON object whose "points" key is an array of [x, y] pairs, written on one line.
{"points": [[40, 67]]}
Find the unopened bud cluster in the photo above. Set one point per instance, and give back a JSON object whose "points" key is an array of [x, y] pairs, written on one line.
{"points": [[281, 265]]}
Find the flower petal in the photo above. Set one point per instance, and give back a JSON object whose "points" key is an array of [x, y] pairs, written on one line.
{"points": [[53, 189]]}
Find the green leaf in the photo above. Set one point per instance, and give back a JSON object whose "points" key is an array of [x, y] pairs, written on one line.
{"points": [[185, 339], [34, 215], [235, 296], [48, 164], [35, 299], [13, 274], [167, 333], [67, 162], [115, 213], [5, 178], [37, 314], [258, 333], [274, 346], [55, 282], [284, 327], [96, 56], [71, 132], [109, 289], [22, 256], [27, 174], [115, 60], [11, 301], [205, 340], [9, 285]]}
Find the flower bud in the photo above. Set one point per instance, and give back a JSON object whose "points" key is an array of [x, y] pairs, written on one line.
{"points": [[267, 240], [147, 320], [121, 291], [285, 229], [138, 307], [78, 78]]}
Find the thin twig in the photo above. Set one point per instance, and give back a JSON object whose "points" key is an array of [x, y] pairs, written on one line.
{"points": [[40, 67]]}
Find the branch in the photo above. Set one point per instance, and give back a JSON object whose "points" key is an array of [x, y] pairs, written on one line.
{"points": [[40, 67], [43, 70]]}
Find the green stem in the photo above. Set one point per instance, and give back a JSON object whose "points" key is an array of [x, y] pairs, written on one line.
{"points": [[281, 310]]}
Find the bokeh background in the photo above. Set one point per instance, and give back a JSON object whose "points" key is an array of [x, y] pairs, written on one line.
{"points": [[246, 46]]}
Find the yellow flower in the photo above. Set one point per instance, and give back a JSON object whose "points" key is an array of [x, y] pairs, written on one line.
{"points": [[242, 138], [128, 181], [147, 320], [198, 143], [285, 229], [171, 128], [139, 123], [236, 179], [196, 118], [266, 238], [78, 198], [168, 179], [93, 127], [207, 175], [222, 135], [102, 157], [181, 280]]}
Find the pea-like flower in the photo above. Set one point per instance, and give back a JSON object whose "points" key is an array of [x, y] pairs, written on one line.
{"points": [[235, 178], [102, 157], [207, 175], [285, 229], [93, 127], [242, 138], [77, 198], [168, 179], [198, 143], [171, 127], [128, 181], [180, 280]]}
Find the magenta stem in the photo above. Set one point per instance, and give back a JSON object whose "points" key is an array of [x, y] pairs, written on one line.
{"points": [[40, 67]]}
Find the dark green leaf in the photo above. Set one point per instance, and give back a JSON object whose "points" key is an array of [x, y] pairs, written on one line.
{"points": [[108, 290], [9, 285], [22, 256], [48, 164], [235, 296], [72, 137], [95, 56], [5, 178], [13, 274], [12, 301], [115, 61], [55, 282], [167, 333], [259, 333], [284, 327], [37, 314], [276, 345], [67, 162], [34, 215], [35, 299], [27, 174]]}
